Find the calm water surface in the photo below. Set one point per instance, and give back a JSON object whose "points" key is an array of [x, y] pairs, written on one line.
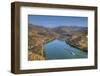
{"points": [[58, 49]]}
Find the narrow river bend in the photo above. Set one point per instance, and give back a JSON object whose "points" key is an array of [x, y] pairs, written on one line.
{"points": [[58, 49]]}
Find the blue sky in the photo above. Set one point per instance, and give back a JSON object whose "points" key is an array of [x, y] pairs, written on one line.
{"points": [[55, 21]]}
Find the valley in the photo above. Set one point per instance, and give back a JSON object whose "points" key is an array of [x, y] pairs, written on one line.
{"points": [[38, 36]]}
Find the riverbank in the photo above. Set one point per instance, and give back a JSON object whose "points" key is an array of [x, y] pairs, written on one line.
{"points": [[68, 42], [37, 52], [59, 49], [75, 46], [48, 41], [39, 36]]}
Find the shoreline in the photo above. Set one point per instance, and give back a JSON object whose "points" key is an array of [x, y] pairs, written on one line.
{"points": [[75, 46], [43, 55]]}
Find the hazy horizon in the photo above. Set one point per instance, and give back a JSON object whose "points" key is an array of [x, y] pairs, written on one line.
{"points": [[57, 21]]}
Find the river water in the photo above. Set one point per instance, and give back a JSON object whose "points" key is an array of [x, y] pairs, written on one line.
{"points": [[59, 49]]}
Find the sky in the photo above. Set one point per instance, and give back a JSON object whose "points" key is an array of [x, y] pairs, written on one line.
{"points": [[55, 21]]}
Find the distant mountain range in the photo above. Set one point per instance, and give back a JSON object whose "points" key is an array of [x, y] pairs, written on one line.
{"points": [[60, 28]]}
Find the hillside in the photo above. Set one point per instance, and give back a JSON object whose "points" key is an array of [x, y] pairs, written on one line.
{"points": [[75, 36], [38, 36]]}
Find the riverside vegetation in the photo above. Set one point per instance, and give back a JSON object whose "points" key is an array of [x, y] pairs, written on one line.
{"points": [[39, 35]]}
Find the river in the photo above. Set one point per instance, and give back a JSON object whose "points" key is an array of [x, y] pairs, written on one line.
{"points": [[59, 49]]}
